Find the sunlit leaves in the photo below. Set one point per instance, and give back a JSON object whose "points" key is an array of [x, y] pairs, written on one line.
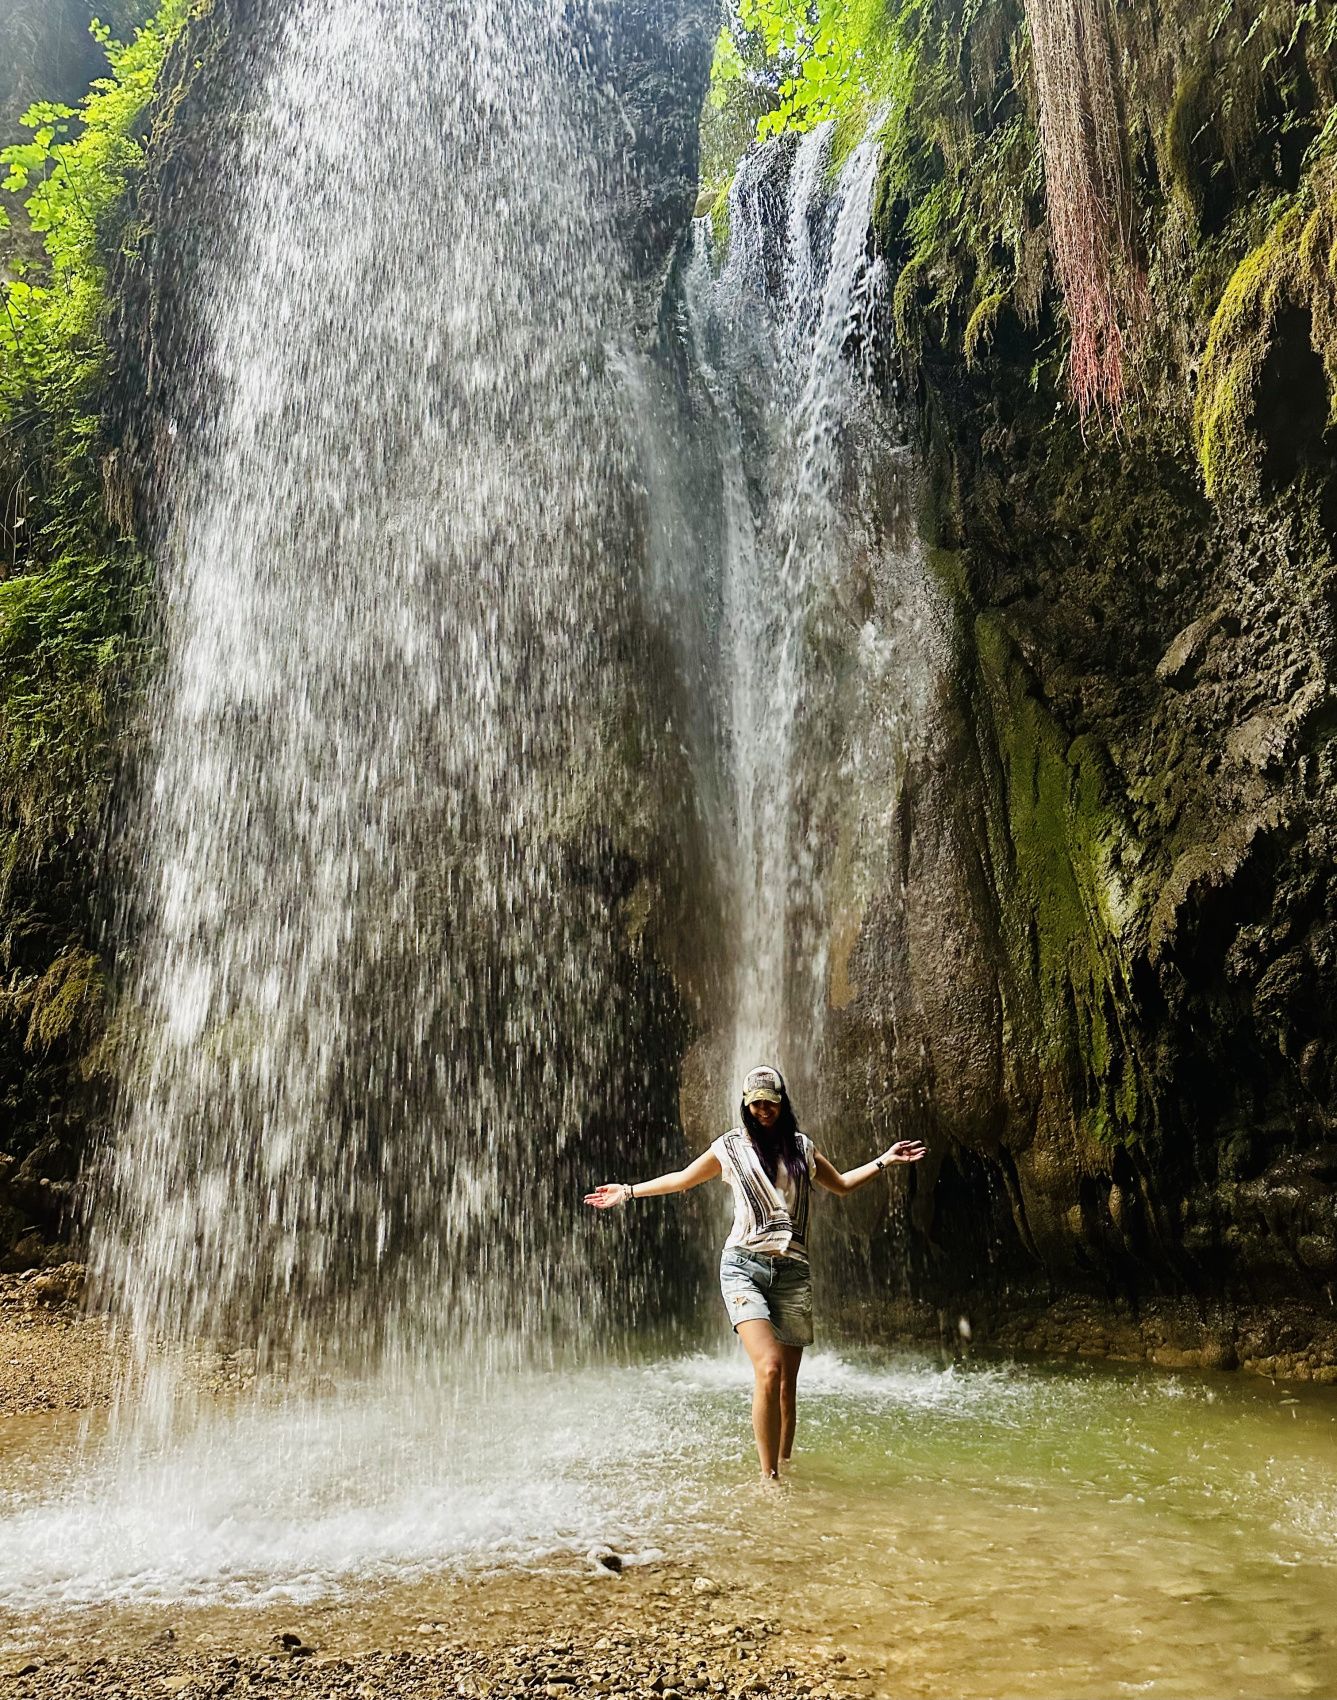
{"points": [[67, 177], [80, 161], [805, 58], [727, 69]]}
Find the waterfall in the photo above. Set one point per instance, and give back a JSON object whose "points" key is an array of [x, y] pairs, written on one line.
{"points": [[383, 1024], [470, 601], [372, 1008], [811, 673]]}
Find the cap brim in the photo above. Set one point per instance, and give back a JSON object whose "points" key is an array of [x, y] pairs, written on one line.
{"points": [[763, 1098]]}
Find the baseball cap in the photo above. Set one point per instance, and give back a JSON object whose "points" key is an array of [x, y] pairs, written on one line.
{"points": [[764, 1085]]}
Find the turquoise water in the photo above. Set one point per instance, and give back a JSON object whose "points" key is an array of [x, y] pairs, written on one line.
{"points": [[987, 1530]]}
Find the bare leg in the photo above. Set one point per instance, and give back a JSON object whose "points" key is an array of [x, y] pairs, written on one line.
{"points": [[768, 1366], [790, 1359]]}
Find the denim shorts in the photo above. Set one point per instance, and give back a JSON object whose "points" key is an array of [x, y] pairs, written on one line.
{"points": [[777, 1290]]}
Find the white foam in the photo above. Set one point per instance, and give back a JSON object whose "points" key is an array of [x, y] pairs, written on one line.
{"points": [[295, 1500]]}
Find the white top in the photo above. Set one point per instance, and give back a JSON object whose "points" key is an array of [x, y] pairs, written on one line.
{"points": [[769, 1216]]}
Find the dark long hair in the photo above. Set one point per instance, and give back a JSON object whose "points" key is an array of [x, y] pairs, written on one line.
{"points": [[780, 1144]]}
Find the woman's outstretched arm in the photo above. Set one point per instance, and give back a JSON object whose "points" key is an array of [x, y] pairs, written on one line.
{"points": [[829, 1176], [705, 1168]]}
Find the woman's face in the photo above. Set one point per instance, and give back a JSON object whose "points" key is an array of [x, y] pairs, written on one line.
{"points": [[766, 1113]]}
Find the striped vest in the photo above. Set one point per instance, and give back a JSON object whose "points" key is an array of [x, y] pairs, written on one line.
{"points": [[769, 1216]]}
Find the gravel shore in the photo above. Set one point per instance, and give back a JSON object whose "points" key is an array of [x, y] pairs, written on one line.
{"points": [[53, 1357], [663, 1633]]}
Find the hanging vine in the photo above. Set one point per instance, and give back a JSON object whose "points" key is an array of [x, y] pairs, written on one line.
{"points": [[1088, 195]]}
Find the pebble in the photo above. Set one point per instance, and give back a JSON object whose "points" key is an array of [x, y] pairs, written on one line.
{"points": [[628, 1667], [660, 1639]]}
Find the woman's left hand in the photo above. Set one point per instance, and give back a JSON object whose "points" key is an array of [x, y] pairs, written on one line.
{"points": [[905, 1151], [607, 1197]]}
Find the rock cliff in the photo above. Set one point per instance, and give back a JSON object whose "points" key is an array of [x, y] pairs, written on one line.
{"points": [[1100, 977]]}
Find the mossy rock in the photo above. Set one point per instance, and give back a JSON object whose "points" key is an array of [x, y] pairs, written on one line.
{"points": [[1272, 347], [1077, 899]]}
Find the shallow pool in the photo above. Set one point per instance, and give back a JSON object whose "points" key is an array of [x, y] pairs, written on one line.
{"points": [[979, 1530]]}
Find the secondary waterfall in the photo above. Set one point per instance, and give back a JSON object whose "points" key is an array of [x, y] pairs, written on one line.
{"points": [[373, 989], [812, 653]]}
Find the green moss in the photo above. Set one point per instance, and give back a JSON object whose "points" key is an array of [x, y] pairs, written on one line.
{"points": [[1073, 908], [719, 218], [64, 999], [1294, 267], [980, 325], [948, 567], [905, 302], [1179, 133]]}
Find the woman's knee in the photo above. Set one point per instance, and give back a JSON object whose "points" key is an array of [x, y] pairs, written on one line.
{"points": [[770, 1375]]}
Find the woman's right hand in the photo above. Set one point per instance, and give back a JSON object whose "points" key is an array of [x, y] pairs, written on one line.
{"points": [[904, 1151], [608, 1196]]}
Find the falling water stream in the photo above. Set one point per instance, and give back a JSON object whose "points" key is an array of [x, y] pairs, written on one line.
{"points": [[770, 331], [373, 1008], [823, 630], [422, 564]]}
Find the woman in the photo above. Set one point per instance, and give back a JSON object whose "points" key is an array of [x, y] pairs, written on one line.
{"points": [[770, 1166]]}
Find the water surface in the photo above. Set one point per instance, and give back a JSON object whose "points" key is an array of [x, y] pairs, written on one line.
{"points": [[992, 1529]]}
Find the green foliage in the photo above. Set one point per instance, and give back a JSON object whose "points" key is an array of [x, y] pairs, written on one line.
{"points": [[72, 580], [73, 174], [817, 54], [795, 64]]}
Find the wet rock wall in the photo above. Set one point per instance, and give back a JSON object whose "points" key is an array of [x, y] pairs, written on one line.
{"points": [[1099, 979]]}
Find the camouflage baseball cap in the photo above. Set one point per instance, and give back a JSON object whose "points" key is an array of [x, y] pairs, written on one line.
{"points": [[764, 1085]]}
